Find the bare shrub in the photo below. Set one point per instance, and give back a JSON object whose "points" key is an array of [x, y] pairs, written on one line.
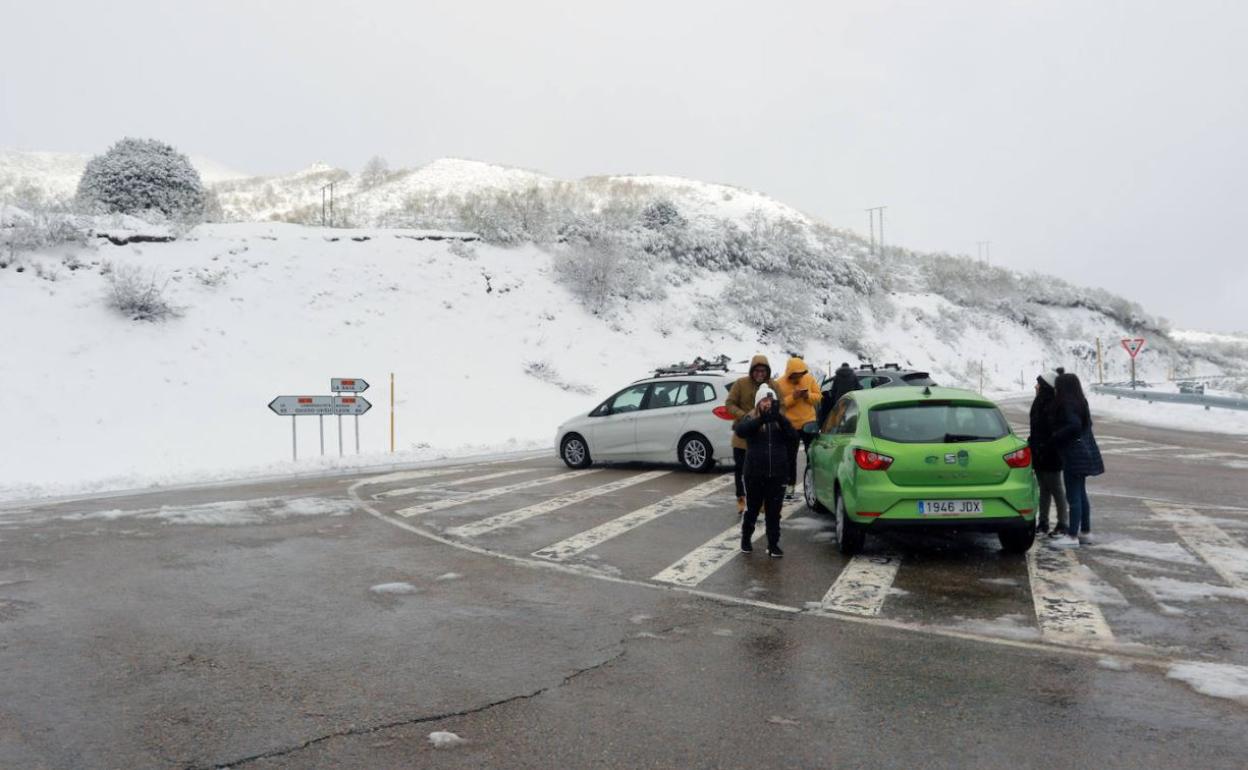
{"points": [[138, 296], [544, 371]]}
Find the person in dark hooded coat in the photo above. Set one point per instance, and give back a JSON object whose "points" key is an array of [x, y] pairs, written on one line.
{"points": [[1045, 460], [843, 381], [1081, 457]]}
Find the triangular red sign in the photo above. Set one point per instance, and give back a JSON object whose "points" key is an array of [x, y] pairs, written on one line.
{"points": [[1133, 346]]}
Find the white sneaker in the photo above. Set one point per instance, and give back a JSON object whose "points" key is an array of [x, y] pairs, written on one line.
{"points": [[1064, 541], [1085, 538]]}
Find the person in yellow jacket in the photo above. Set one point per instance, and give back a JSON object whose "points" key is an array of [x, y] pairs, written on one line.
{"points": [[740, 402], [799, 402]]}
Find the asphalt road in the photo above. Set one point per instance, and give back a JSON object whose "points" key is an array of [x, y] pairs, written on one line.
{"points": [[553, 619]]}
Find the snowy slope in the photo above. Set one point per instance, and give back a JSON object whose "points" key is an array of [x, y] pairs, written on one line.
{"points": [[273, 309]]}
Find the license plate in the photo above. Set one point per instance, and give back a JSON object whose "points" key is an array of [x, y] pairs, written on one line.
{"points": [[950, 507]]}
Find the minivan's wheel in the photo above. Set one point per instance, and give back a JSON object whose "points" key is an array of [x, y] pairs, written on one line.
{"points": [[575, 452], [808, 491], [1017, 540], [849, 536], [694, 453]]}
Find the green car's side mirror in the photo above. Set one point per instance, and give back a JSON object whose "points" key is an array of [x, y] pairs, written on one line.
{"points": [[811, 428]]}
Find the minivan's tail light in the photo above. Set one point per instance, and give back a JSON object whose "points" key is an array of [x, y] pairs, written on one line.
{"points": [[722, 412], [872, 461], [1020, 458]]}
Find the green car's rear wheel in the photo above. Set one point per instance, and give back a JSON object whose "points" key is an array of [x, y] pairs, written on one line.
{"points": [[849, 536], [808, 491], [1017, 540]]}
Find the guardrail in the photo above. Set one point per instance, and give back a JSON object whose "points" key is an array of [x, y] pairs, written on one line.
{"points": [[1197, 399]]}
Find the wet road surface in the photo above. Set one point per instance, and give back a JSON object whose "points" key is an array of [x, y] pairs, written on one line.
{"points": [[552, 618]]}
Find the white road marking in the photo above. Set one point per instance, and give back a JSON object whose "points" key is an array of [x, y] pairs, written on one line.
{"points": [[1135, 449], [406, 491], [1063, 614], [863, 585], [703, 561], [487, 494], [510, 518], [446, 470], [583, 541], [1219, 550]]}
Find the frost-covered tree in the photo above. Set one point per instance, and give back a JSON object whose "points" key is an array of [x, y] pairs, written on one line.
{"points": [[662, 214], [374, 173], [139, 175]]}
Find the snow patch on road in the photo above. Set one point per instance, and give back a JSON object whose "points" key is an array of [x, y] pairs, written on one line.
{"points": [[444, 740], [1219, 680], [394, 588], [227, 512], [1171, 552], [1165, 589], [1114, 664], [448, 576], [1011, 626]]}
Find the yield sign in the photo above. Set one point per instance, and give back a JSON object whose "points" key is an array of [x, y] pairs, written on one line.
{"points": [[1133, 346]]}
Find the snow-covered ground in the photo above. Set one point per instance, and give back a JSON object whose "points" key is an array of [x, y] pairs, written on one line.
{"points": [[278, 309], [1165, 415]]}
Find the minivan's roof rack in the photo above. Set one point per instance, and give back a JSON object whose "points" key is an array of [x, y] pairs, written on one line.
{"points": [[698, 364]]}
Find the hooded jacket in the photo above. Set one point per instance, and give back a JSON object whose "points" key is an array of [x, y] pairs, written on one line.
{"points": [[798, 410], [1044, 454], [740, 401], [844, 381], [1072, 434]]}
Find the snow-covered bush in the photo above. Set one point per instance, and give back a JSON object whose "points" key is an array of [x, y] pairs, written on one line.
{"points": [[546, 372], [39, 228], [599, 273], [778, 306], [140, 175], [137, 296], [662, 214], [376, 171]]}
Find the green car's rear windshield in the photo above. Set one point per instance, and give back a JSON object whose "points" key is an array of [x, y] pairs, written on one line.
{"points": [[938, 422]]}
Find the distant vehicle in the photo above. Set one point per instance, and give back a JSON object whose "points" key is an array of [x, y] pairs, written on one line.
{"points": [[893, 458], [1195, 388], [871, 376], [678, 414]]}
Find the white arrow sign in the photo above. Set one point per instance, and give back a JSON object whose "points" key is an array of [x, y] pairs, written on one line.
{"points": [[347, 385]]}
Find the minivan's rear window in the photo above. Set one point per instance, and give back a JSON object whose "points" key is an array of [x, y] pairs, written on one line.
{"points": [[938, 422]]}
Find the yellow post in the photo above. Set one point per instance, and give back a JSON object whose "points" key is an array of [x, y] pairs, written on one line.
{"points": [[1100, 368], [391, 412]]}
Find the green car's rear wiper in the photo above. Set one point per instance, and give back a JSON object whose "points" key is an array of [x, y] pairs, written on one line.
{"points": [[954, 438]]}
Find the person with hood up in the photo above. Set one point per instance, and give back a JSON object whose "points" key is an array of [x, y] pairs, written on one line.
{"points": [[1081, 457], [739, 403], [1045, 460], [843, 381], [799, 402], [767, 433]]}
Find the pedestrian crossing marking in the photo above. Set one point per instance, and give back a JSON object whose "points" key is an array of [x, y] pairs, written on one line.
{"points": [[583, 541], [703, 561], [1219, 550], [407, 491], [425, 473], [1063, 613], [510, 518], [863, 585], [487, 494]]}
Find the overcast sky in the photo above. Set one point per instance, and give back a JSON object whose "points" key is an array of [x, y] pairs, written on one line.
{"points": [[1100, 141]]}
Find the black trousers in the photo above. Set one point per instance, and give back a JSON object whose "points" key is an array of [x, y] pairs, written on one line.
{"points": [[804, 439], [767, 495], [738, 466]]}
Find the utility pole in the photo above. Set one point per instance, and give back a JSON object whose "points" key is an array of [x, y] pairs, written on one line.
{"points": [[871, 212], [329, 187], [982, 251]]}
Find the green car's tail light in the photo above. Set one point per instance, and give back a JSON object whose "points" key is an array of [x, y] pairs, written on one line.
{"points": [[873, 461], [1020, 458]]}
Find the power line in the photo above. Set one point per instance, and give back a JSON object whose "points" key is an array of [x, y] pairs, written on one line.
{"points": [[871, 216]]}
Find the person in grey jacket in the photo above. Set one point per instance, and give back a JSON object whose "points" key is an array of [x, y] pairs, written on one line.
{"points": [[1081, 457]]}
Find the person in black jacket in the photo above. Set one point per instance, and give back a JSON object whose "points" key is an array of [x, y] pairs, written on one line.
{"points": [[843, 381], [1081, 457], [1045, 460], [767, 434]]}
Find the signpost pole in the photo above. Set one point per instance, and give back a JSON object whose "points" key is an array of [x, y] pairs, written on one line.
{"points": [[1132, 372], [357, 434], [294, 441], [391, 412], [320, 419], [340, 435], [1100, 367]]}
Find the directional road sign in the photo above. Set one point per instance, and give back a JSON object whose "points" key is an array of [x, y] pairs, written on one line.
{"points": [[356, 405], [1133, 346], [322, 405], [347, 385]]}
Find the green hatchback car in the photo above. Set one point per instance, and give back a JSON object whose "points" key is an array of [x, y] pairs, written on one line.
{"points": [[921, 457]]}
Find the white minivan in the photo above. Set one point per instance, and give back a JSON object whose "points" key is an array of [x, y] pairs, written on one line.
{"points": [[658, 419]]}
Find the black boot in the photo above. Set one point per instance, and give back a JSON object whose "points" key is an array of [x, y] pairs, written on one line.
{"points": [[774, 552], [746, 545]]}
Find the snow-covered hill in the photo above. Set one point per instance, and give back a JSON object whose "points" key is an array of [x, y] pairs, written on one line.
{"points": [[489, 349], [54, 175]]}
